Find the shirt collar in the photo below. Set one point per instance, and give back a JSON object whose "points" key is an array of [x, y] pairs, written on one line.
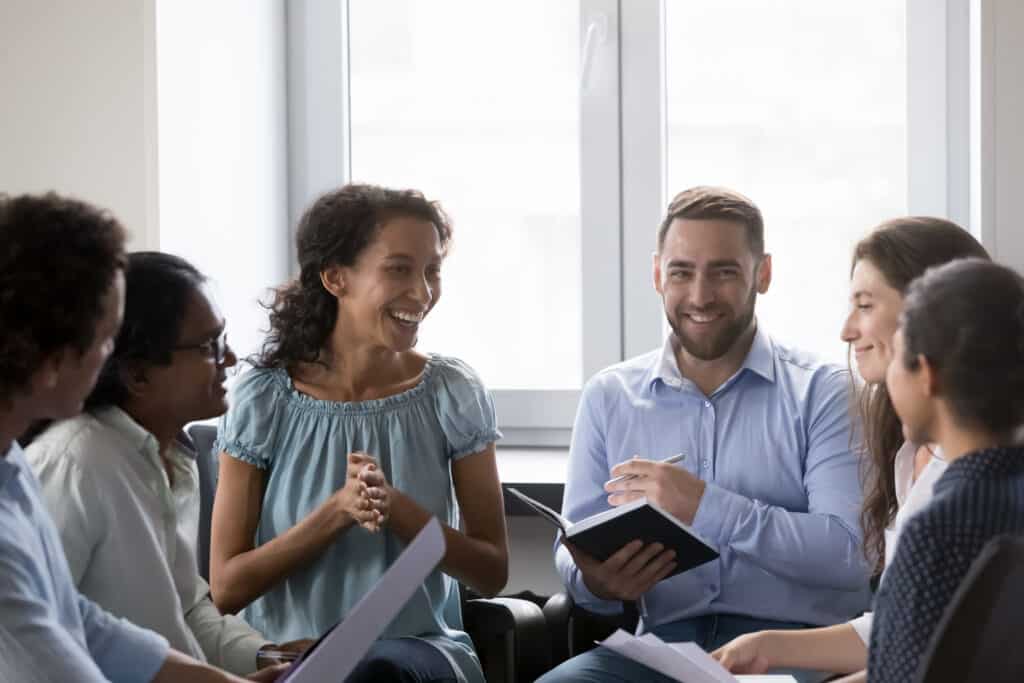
{"points": [[990, 463], [141, 439], [760, 360]]}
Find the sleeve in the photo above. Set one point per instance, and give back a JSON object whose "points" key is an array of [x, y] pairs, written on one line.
{"points": [[122, 650], [247, 430], [465, 409], [862, 625], [227, 641], [75, 504], [822, 546], [37, 647], [584, 490]]}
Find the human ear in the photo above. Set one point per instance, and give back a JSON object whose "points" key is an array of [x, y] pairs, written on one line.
{"points": [[48, 375], [134, 378], [656, 272], [928, 378], [333, 280], [763, 273]]}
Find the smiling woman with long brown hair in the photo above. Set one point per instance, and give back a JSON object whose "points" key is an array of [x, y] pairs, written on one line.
{"points": [[898, 475]]}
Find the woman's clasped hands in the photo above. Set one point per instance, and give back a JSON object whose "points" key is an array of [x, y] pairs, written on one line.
{"points": [[366, 497]]}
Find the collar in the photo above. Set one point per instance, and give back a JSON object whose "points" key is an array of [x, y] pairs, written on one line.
{"points": [[139, 438], [760, 360], [990, 463]]}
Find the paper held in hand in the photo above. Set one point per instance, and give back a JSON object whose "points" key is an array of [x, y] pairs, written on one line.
{"points": [[336, 654], [684, 662], [601, 535]]}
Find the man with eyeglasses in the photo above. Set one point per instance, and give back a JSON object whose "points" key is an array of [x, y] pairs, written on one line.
{"points": [[121, 481]]}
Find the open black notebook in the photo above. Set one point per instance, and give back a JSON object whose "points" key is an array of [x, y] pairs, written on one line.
{"points": [[602, 534]]}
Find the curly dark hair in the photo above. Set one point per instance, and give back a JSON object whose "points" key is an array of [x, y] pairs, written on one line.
{"points": [[333, 231], [157, 289], [58, 257], [901, 249]]}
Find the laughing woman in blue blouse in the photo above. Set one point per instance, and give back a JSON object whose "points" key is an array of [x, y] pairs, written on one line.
{"points": [[344, 440], [957, 379]]}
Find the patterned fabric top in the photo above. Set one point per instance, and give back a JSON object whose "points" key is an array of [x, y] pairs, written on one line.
{"points": [[980, 496]]}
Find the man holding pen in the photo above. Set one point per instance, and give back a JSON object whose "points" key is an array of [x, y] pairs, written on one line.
{"points": [[767, 476]]}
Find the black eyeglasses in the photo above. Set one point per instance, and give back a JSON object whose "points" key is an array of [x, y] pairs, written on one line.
{"points": [[216, 348]]}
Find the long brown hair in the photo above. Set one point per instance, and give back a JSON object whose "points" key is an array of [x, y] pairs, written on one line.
{"points": [[901, 249]]}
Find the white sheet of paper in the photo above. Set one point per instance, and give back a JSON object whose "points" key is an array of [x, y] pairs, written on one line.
{"points": [[685, 662], [342, 649]]}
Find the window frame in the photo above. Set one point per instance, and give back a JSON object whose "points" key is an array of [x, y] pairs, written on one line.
{"points": [[623, 163]]}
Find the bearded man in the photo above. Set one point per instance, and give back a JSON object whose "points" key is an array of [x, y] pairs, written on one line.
{"points": [[768, 478]]}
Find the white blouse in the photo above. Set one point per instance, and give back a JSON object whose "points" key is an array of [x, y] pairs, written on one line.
{"points": [[129, 533], [911, 497]]}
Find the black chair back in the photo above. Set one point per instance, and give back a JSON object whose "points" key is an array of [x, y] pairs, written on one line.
{"points": [[979, 635]]}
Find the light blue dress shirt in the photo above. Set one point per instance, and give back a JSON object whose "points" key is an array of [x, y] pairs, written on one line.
{"points": [[48, 631], [773, 445], [304, 443]]}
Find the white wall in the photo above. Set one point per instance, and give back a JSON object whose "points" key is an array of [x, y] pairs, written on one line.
{"points": [[77, 113], [998, 135]]}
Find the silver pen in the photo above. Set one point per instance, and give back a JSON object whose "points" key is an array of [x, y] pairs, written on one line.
{"points": [[669, 460]]}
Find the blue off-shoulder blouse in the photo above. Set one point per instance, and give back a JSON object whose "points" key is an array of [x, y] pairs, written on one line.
{"points": [[304, 443]]}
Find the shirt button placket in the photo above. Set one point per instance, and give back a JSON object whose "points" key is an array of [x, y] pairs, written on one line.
{"points": [[705, 463]]}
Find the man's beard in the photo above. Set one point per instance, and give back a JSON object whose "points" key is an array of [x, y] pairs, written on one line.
{"points": [[715, 347]]}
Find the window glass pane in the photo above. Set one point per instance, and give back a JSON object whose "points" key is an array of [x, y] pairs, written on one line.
{"points": [[476, 104], [800, 105]]}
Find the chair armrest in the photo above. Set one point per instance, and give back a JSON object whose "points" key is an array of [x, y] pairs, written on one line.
{"points": [[511, 638], [574, 629], [557, 611]]}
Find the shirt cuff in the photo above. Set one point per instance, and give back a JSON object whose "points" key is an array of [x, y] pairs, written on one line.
{"points": [[862, 625], [240, 657], [131, 653], [577, 587], [717, 513]]}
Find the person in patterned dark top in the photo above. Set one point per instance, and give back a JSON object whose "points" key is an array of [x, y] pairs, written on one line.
{"points": [[957, 379]]}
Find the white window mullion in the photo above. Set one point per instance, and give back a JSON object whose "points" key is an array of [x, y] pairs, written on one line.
{"points": [[318, 103], [642, 55], [938, 109], [526, 418], [600, 165]]}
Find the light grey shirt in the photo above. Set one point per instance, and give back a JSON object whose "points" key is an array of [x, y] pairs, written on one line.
{"points": [[129, 534]]}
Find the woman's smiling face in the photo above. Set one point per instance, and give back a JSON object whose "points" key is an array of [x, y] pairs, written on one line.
{"points": [[875, 308], [393, 285]]}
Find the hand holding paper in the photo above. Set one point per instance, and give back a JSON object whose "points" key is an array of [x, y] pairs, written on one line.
{"points": [[684, 662]]}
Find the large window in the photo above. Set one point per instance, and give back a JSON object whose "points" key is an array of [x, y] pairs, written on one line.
{"points": [[447, 97], [554, 133], [800, 105]]}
